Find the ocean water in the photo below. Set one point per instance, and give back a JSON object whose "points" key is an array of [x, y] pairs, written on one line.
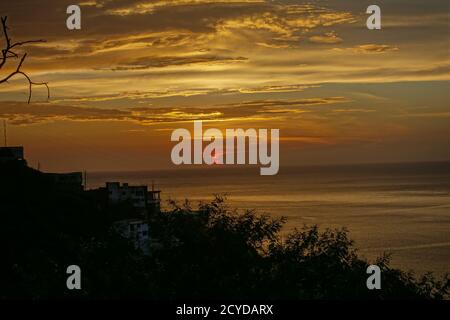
{"points": [[403, 209]]}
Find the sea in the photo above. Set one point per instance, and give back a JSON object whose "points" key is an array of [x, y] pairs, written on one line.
{"points": [[400, 208]]}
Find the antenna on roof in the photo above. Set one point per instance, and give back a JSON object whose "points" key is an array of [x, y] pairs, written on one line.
{"points": [[4, 132]]}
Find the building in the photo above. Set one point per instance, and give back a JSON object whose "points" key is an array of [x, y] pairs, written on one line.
{"points": [[147, 202], [137, 231], [154, 200], [11, 154], [144, 201], [117, 193]]}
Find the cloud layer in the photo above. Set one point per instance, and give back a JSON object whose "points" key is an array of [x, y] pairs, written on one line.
{"points": [[311, 69]]}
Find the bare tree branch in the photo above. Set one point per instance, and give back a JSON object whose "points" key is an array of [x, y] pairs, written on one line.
{"points": [[8, 53]]}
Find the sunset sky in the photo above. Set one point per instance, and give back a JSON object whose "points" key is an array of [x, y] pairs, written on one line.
{"points": [[338, 92]]}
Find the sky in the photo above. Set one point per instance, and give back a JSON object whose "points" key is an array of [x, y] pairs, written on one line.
{"points": [[137, 70]]}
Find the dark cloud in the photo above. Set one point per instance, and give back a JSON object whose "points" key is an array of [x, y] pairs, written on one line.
{"points": [[192, 91], [370, 48], [327, 38], [160, 62], [277, 88], [391, 73], [287, 103], [21, 113], [100, 23]]}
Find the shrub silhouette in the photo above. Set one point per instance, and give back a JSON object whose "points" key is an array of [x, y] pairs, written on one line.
{"points": [[217, 252]]}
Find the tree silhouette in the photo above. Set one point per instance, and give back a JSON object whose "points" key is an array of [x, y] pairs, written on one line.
{"points": [[8, 53]]}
